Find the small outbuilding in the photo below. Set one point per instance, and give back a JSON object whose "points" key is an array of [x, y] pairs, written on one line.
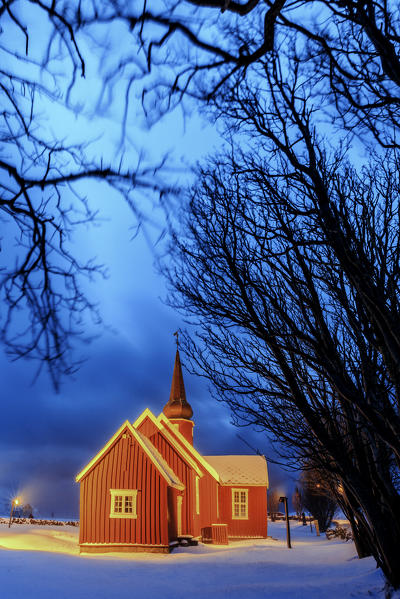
{"points": [[148, 486]]}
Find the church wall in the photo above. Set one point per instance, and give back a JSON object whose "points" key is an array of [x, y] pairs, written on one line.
{"points": [[208, 488], [124, 466], [256, 524], [185, 475]]}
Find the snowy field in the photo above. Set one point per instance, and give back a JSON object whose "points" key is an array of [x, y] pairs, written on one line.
{"points": [[43, 562]]}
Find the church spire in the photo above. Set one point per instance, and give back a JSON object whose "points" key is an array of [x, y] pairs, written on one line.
{"points": [[177, 405]]}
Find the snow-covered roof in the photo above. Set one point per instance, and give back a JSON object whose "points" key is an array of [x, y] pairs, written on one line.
{"points": [[240, 469]]}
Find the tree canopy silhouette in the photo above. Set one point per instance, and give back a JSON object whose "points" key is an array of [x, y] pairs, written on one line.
{"points": [[42, 201]]}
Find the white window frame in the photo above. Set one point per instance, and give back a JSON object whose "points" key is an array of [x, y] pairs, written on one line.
{"points": [[197, 486], [240, 503], [123, 493]]}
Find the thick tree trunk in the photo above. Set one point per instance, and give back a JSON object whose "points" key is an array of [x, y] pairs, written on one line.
{"points": [[387, 545], [361, 543], [378, 532]]}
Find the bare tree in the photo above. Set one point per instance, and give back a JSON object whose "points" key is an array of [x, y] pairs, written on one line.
{"points": [[317, 497], [273, 503], [297, 502], [298, 288], [281, 329], [291, 259], [350, 48], [41, 200], [27, 511]]}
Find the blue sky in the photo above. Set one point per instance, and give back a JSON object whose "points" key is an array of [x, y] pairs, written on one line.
{"points": [[45, 437]]}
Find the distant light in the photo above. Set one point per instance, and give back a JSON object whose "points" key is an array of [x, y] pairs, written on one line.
{"points": [[14, 502]]}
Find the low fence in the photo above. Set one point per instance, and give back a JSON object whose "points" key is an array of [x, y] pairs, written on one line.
{"points": [[40, 522]]}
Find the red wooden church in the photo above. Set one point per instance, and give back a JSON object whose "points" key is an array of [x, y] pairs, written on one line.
{"points": [[149, 486]]}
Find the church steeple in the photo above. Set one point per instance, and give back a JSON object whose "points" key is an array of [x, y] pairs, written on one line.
{"points": [[178, 410], [178, 406]]}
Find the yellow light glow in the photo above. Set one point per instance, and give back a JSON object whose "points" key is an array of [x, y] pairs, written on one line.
{"points": [[16, 501]]}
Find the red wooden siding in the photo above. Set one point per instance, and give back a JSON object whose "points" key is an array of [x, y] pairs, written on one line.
{"points": [[147, 427], [185, 428], [256, 524], [184, 473], [192, 523], [124, 466], [208, 504]]}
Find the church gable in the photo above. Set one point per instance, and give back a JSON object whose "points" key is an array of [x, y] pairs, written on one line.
{"points": [[129, 437], [182, 442], [164, 441], [146, 423], [123, 430]]}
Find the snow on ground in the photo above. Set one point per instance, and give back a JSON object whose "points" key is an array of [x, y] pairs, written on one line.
{"points": [[43, 562]]}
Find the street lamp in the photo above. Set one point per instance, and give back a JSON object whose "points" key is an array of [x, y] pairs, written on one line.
{"points": [[284, 500], [13, 504]]}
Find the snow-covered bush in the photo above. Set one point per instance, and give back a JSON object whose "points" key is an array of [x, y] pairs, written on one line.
{"points": [[340, 532]]}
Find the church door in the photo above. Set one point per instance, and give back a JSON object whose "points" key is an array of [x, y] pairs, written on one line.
{"points": [[179, 501]]}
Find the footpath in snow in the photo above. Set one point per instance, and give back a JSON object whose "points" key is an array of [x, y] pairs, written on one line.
{"points": [[43, 562]]}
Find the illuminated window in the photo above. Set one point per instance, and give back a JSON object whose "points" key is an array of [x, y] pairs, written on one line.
{"points": [[117, 504], [197, 495], [240, 504], [123, 503]]}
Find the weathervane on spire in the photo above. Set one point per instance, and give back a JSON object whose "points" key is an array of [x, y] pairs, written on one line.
{"points": [[176, 334]]}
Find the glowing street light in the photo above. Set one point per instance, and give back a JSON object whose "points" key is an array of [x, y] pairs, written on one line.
{"points": [[13, 504]]}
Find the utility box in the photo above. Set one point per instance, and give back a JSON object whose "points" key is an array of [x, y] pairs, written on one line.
{"points": [[217, 534]]}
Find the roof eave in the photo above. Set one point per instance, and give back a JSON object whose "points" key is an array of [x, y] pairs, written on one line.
{"points": [[148, 413], [163, 418]]}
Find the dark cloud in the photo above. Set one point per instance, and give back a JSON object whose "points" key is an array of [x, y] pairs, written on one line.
{"points": [[46, 438]]}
